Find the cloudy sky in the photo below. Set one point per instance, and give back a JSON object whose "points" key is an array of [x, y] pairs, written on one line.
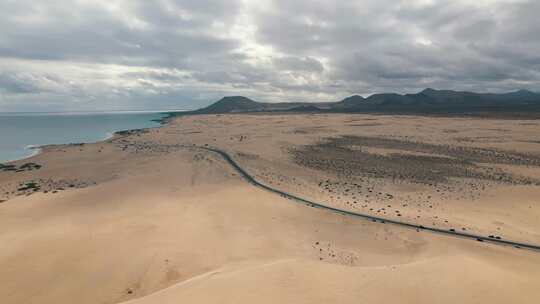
{"points": [[180, 54]]}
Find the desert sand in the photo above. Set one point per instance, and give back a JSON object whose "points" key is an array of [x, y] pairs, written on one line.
{"points": [[150, 217]]}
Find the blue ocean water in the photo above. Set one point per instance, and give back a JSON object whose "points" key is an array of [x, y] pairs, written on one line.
{"points": [[19, 132]]}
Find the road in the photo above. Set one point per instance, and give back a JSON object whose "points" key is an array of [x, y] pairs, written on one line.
{"points": [[250, 179]]}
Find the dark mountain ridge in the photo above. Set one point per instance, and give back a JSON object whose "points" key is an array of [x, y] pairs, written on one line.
{"points": [[426, 101], [231, 104], [240, 104]]}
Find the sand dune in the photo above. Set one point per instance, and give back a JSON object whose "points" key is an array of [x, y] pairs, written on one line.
{"points": [[449, 279], [151, 221]]}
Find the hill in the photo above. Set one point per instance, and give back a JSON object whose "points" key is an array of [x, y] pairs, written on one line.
{"points": [[426, 101], [232, 104], [241, 104], [444, 101]]}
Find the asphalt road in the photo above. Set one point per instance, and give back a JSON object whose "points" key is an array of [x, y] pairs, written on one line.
{"points": [[250, 179]]}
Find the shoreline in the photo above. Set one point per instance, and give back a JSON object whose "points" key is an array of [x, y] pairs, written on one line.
{"points": [[39, 149], [36, 150]]}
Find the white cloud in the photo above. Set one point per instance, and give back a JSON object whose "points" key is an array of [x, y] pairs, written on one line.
{"points": [[63, 54]]}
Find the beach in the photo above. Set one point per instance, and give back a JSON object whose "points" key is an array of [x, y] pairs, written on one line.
{"points": [[157, 216], [22, 133]]}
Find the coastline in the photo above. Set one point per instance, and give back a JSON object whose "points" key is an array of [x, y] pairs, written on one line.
{"points": [[37, 149]]}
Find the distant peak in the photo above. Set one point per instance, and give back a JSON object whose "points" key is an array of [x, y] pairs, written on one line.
{"points": [[230, 104], [235, 98], [354, 97], [524, 91], [428, 90]]}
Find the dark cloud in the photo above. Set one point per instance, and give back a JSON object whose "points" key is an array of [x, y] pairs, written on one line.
{"points": [[101, 53], [105, 39], [16, 85], [450, 43], [304, 64]]}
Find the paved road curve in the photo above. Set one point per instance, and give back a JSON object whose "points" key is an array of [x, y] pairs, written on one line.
{"points": [[298, 199]]}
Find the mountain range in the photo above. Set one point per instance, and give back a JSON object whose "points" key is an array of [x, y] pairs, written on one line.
{"points": [[426, 101]]}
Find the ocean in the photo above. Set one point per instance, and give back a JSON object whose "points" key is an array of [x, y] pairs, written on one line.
{"points": [[20, 133]]}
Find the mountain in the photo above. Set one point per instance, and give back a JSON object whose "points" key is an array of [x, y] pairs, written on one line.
{"points": [[426, 101], [444, 101], [232, 104], [240, 104]]}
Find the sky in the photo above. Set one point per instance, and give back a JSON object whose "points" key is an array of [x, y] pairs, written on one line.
{"points": [[68, 55]]}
